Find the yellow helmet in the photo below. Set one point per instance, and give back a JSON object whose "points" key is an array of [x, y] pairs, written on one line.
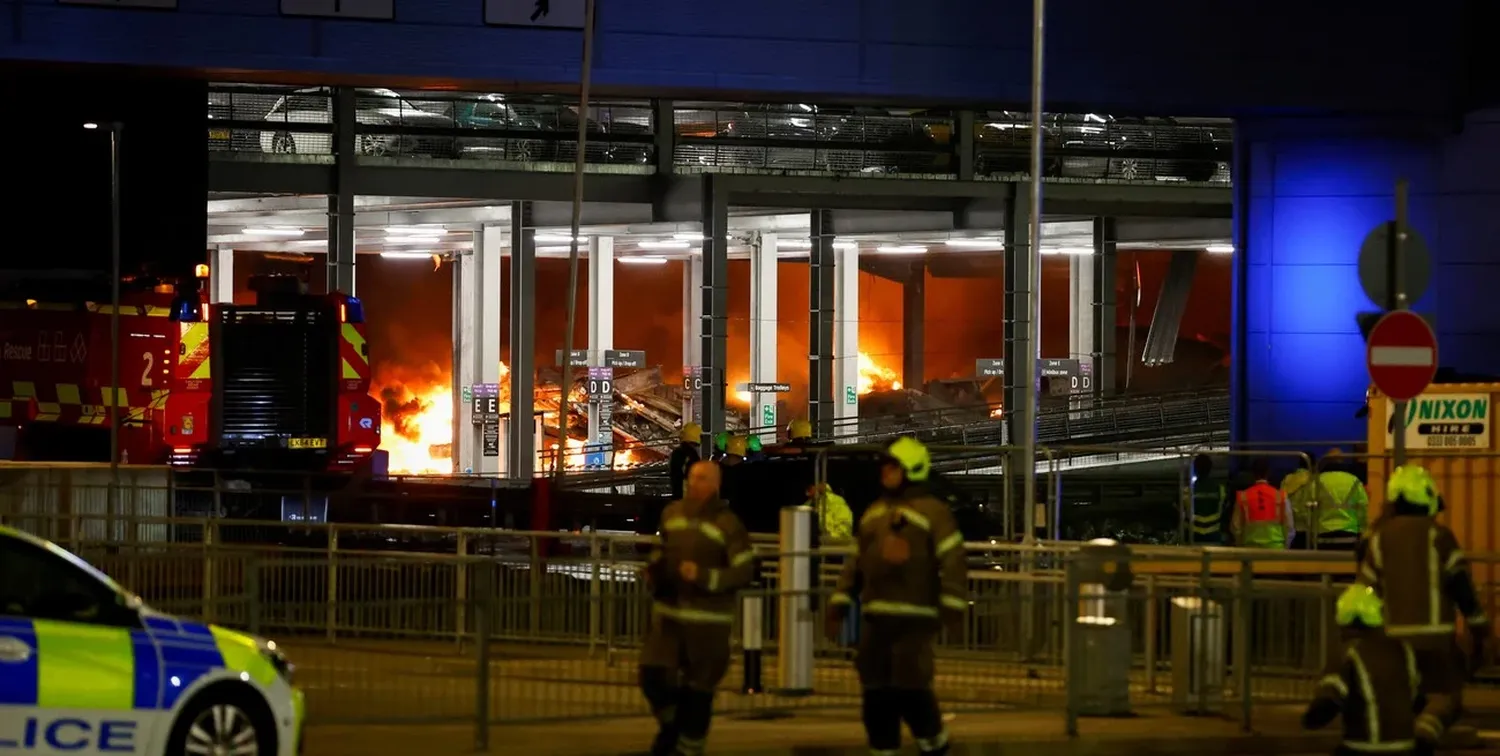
{"points": [[1359, 603], [1415, 486], [799, 429], [738, 446], [691, 433], [913, 457]]}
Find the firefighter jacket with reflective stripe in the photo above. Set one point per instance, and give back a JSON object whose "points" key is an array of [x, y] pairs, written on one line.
{"points": [[1208, 511], [716, 541], [1375, 687], [835, 519], [909, 559], [1414, 562], [1262, 510]]}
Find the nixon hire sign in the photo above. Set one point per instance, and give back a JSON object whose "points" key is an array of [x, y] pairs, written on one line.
{"points": [[1443, 421]]}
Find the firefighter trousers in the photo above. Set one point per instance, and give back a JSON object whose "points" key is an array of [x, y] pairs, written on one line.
{"points": [[1444, 670], [895, 666], [681, 666]]}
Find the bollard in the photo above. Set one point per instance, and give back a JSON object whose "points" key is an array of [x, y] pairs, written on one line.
{"points": [[484, 608], [795, 648], [752, 641]]}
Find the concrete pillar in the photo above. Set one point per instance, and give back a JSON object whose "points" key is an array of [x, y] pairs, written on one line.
{"points": [[1104, 311], [692, 336], [522, 440], [340, 257], [913, 327], [1017, 309], [221, 276], [476, 343], [715, 313], [763, 317], [601, 319], [822, 276], [846, 339]]}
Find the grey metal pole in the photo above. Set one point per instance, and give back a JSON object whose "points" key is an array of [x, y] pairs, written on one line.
{"points": [[1028, 363], [115, 416], [1398, 302], [565, 386]]}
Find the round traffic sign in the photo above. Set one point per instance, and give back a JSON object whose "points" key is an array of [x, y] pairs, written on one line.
{"points": [[1402, 355]]}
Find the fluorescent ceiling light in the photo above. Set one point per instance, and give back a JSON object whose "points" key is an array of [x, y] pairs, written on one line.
{"points": [[553, 249], [416, 230], [91, 126], [663, 245], [557, 239], [798, 243], [688, 237], [845, 245], [985, 243], [1219, 249], [1080, 251], [901, 249], [643, 260], [412, 239], [407, 255], [274, 231]]}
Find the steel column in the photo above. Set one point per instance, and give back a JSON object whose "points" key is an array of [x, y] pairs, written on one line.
{"points": [[714, 295], [913, 326], [340, 257], [601, 313], [221, 275], [846, 340], [476, 342], [1105, 314], [763, 321], [663, 119], [521, 441], [822, 277], [692, 336]]}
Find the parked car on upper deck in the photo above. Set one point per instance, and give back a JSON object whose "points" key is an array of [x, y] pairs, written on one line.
{"points": [[383, 108]]}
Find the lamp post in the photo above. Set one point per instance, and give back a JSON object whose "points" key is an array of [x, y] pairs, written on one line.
{"points": [[115, 129]]}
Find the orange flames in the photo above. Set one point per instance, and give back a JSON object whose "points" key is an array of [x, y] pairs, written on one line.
{"points": [[417, 421], [876, 377]]}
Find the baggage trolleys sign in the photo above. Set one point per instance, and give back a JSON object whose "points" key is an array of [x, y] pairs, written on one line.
{"points": [[1443, 421]]}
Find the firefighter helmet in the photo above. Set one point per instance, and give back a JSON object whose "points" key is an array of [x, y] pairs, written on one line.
{"points": [[753, 444], [738, 446], [913, 457], [1413, 485], [1359, 603], [799, 429], [721, 440], [691, 433]]}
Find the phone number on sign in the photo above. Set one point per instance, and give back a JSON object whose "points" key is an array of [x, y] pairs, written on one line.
{"points": [[1451, 442]]}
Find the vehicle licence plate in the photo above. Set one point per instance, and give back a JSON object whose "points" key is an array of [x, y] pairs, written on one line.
{"points": [[307, 443], [219, 134]]}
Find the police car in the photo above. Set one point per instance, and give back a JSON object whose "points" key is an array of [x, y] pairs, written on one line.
{"points": [[86, 668]]}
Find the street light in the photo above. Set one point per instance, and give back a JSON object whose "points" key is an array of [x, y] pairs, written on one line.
{"points": [[115, 129]]}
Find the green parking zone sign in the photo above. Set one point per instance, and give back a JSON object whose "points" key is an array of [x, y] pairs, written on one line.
{"points": [[850, 395]]}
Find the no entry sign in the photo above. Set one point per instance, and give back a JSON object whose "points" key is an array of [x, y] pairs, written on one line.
{"points": [[1402, 355]]}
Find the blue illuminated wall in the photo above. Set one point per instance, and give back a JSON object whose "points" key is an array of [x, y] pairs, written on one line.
{"points": [[1153, 56], [1308, 192]]}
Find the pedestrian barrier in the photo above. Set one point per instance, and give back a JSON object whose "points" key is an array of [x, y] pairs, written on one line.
{"points": [[391, 636]]}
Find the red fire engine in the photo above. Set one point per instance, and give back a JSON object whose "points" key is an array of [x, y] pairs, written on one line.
{"points": [[281, 384]]}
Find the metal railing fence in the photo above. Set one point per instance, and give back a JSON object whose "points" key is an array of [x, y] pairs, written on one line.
{"points": [[391, 636]]}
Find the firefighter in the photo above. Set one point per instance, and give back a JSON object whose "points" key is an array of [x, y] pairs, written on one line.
{"points": [[1330, 511], [1415, 564], [910, 573], [735, 450], [835, 519], [721, 446], [799, 432], [704, 557], [755, 449], [1207, 498], [1374, 683], [1262, 516], [685, 456]]}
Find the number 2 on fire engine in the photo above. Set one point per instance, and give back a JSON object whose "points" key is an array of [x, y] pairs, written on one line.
{"points": [[150, 360]]}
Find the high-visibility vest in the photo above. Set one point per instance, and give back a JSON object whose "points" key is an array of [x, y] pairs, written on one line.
{"points": [[835, 519], [1263, 505], [1208, 512], [1338, 497]]}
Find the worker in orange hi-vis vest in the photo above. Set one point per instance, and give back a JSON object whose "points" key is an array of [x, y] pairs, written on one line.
{"points": [[1262, 513]]}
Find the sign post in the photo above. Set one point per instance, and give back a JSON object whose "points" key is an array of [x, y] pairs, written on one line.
{"points": [[1394, 270], [601, 394], [486, 415]]}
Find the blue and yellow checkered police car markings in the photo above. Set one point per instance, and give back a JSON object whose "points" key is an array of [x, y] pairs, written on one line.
{"points": [[166, 686]]}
